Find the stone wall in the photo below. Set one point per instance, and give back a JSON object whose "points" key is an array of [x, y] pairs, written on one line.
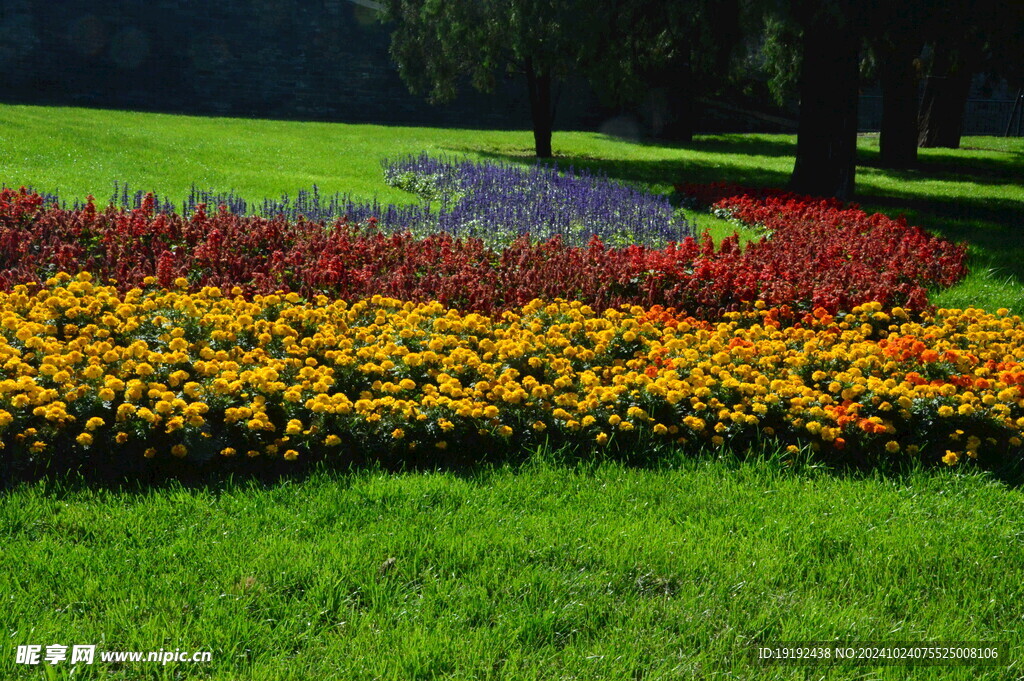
{"points": [[297, 59], [291, 59]]}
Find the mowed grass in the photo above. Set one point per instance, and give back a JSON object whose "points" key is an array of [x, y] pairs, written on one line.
{"points": [[544, 571]]}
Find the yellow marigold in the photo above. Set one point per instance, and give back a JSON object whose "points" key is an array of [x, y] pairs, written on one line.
{"points": [[332, 440], [505, 431], [179, 450], [291, 455], [636, 413], [84, 439], [601, 439], [121, 438], [1007, 395], [946, 411], [892, 446], [951, 458], [397, 434]]}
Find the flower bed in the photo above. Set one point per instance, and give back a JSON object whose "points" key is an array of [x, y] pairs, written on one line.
{"points": [[93, 374], [492, 201], [836, 254], [816, 256]]}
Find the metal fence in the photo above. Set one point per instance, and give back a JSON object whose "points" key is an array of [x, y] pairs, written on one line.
{"points": [[982, 116]]}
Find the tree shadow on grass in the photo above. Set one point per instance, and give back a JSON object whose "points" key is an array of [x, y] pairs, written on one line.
{"points": [[948, 167], [774, 146], [654, 172], [222, 476]]}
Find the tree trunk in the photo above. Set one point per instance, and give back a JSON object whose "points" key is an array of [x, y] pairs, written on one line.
{"points": [[897, 140], [681, 114], [941, 122], [538, 84], [826, 149]]}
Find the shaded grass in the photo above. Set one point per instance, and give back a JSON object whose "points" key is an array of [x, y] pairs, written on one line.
{"points": [[596, 571]]}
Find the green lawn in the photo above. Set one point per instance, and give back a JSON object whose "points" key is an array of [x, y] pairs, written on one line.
{"points": [[542, 571], [546, 572]]}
